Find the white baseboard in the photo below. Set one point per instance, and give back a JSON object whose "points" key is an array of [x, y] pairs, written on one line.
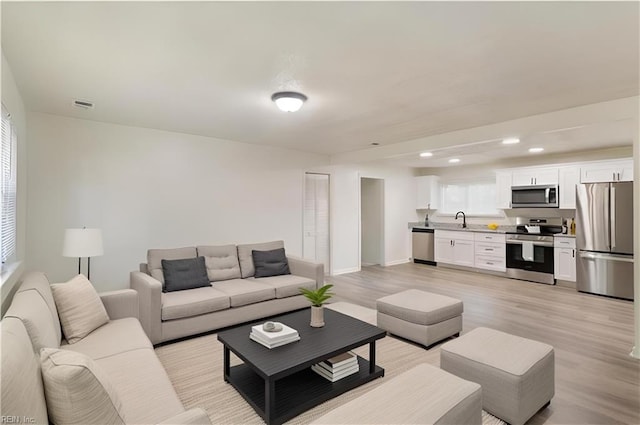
{"points": [[396, 262], [344, 271]]}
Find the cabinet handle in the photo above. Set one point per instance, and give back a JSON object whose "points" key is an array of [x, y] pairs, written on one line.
{"points": [[490, 263], [488, 249], [614, 176], [573, 253], [618, 176]]}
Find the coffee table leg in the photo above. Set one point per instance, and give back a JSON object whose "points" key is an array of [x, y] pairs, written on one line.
{"points": [[372, 357], [269, 399], [227, 368]]}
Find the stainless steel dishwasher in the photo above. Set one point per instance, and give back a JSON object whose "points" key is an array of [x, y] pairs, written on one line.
{"points": [[423, 250]]}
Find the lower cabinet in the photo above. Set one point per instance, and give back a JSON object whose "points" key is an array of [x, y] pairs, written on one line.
{"points": [[452, 247], [564, 253], [490, 251]]}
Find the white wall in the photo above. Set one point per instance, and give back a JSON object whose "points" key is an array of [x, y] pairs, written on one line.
{"points": [[13, 102], [399, 209], [372, 216], [154, 189]]}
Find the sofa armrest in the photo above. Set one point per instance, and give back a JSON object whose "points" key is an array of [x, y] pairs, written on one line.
{"points": [[307, 268], [191, 416], [150, 304], [119, 304]]}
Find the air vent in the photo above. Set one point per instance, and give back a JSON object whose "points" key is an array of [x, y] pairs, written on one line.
{"points": [[83, 104]]}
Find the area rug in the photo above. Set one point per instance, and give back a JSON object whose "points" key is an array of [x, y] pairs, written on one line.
{"points": [[195, 369]]}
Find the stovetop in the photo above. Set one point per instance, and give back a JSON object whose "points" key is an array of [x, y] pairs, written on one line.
{"points": [[538, 226]]}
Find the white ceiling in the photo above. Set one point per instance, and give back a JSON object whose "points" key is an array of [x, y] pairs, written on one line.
{"points": [[384, 72]]}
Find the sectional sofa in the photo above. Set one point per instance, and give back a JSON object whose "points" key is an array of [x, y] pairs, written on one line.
{"points": [[136, 388], [235, 295]]}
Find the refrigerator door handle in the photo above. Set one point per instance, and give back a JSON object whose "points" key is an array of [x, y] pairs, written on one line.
{"points": [[613, 218], [607, 218], [608, 257]]}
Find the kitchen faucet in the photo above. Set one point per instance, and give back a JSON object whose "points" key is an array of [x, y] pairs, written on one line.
{"points": [[464, 219]]}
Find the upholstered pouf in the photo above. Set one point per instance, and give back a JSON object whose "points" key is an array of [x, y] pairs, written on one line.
{"points": [[420, 316], [421, 395], [516, 374]]}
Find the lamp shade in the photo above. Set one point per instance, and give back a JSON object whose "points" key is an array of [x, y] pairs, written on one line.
{"points": [[82, 243]]}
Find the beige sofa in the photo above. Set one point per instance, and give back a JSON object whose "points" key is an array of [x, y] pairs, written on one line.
{"points": [[234, 296], [120, 348]]}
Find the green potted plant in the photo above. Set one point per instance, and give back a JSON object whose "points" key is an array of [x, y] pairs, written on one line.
{"points": [[317, 298]]}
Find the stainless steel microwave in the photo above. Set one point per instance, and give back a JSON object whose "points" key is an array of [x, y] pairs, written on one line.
{"points": [[541, 196]]}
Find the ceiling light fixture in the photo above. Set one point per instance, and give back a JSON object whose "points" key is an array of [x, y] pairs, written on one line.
{"points": [[426, 154], [289, 101], [510, 141], [454, 160], [535, 150]]}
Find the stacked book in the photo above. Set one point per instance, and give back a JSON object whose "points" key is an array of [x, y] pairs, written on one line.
{"points": [[274, 339], [337, 367]]}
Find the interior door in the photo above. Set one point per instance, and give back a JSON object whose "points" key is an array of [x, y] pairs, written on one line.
{"points": [[592, 217], [622, 217]]}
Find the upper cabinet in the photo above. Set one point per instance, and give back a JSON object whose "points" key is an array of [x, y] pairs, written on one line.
{"points": [[607, 171], [569, 178], [503, 189], [534, 176], [427, 192]]}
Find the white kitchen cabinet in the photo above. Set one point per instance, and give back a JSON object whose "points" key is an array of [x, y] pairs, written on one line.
{"points": [[564, 253], [427, 192], [454, 247], [607, 171], [490, 251], [503, 189], [569, 177], [534, 176]]}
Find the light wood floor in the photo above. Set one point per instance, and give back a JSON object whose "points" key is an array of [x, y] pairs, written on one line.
{"points": [[597, 382]]}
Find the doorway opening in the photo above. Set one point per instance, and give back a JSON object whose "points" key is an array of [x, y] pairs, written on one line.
{"points": [[371, 221], [316, 243]]}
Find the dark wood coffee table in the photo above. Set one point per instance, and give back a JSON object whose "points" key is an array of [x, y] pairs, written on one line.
{"points": [[279, 383]]}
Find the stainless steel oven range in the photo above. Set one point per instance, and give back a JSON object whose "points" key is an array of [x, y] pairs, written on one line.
{"points": [[530, 249]]}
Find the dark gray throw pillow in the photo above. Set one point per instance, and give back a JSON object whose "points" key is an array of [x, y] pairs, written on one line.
{"points": [[270, 263], [188, 273]]}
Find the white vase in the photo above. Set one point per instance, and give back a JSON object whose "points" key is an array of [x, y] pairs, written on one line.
{"points": [[317, 316]]}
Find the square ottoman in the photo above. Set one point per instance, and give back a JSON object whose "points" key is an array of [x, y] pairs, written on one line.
{"points": [[420, 316], [421, 395], [516, 374]]}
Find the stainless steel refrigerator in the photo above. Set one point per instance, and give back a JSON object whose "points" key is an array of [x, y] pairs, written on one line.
{"points": [[604, 239]]}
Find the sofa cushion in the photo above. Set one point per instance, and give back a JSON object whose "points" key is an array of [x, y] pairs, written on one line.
{"points": [[79, 308], [244, 291], [179, 304], [37, 281], [155, 257], [270, 263], [246, 259], [115, 337], [222, 262], [30, 308], [22, 391], [77, 390], [286, 285], [187, 273], [141, 381]]}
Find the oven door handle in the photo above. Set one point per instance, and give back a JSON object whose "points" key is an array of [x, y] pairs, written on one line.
{"points": [[535, 243]]}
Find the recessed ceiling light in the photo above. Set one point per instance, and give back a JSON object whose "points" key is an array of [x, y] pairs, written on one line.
{"points": [[510, 141], [535, 150], [375, 144], [454, 160], [426, 154]]}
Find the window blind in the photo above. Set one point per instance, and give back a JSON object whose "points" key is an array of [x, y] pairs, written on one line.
{"points": [[8, 188]]}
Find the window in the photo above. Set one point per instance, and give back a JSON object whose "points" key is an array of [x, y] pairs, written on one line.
{"points": [[473, 198], [8, 188]]}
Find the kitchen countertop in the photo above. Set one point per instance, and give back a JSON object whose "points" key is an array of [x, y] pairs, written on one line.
{"points": [[470, 227]]}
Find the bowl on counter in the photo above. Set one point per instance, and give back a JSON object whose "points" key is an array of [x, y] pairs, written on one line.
{"points": [[492, 226]]}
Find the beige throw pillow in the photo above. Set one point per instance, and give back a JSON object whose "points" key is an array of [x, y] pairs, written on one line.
{"points": [[79, 307], [77, 390]]}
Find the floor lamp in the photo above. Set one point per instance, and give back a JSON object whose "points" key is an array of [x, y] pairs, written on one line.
{"points": [[83, 243]]}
